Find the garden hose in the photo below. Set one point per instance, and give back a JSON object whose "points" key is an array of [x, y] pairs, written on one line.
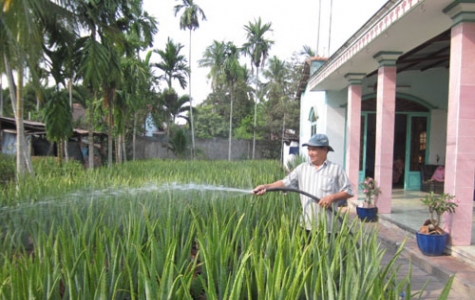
{"points": [[286, 189]]}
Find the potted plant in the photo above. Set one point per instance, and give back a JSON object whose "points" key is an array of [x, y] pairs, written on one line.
{"points": [[431, 239], [367, 209]]}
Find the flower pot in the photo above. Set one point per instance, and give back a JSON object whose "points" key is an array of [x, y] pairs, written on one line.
{"points": [[432, 244], [367, 214]]}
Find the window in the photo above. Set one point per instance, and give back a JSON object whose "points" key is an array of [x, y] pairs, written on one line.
{"points": [[313, 117], [313, 128]]}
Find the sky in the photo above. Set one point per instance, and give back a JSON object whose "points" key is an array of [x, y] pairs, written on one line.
{"points": [[294, 24]]}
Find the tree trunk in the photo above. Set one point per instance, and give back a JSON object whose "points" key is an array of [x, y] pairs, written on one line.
{"points": [[230, 125], [134, 139], [282, 140], [255, 115], [191, 108], [118, 151], [124, 149], [109, 133], [90, 134], [60, 149], [1, 96], [23, 157]]}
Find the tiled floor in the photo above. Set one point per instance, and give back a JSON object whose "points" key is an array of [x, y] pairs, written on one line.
{"points": [[406, 214], [407, 211]]}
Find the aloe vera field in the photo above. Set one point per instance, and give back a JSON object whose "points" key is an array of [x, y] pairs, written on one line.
{"points": [[169, 229]]}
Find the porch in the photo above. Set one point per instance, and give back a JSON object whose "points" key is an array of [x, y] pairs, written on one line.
{"points": [[408, 213]]}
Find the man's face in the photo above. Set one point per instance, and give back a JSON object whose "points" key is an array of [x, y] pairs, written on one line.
{"points": [[317, 154]]}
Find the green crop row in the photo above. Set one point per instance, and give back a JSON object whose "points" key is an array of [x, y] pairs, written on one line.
{"points": [[179, 230]]}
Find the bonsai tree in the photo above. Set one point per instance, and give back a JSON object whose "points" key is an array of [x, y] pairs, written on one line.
{"points": [[437, 206], [370, 188]]}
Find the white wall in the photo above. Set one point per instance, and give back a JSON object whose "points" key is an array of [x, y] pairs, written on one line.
{"points": [[317, 100], [335, 127]]}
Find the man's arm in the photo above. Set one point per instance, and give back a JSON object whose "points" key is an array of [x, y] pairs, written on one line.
{"points": [[261, 189]]}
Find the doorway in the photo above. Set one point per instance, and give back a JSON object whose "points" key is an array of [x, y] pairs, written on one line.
{"points": [[410, 151]]}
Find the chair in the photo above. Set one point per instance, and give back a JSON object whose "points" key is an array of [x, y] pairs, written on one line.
{"points": [[428, 185]]}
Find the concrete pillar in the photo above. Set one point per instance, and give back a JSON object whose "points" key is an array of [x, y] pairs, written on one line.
{"points": [[385, 116], [460, 154], [353, 131]]}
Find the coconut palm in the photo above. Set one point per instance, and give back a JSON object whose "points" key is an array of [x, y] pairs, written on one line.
{"points": [[190, 20], [257, 47]]}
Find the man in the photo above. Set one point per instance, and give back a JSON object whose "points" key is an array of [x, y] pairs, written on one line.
{"points": [[319, 177]]}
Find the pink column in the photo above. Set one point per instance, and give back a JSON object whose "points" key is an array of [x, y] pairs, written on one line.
{"points": [[385, 116], [353, 132], [460, 151]]}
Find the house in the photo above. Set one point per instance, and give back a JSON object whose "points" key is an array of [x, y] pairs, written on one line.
{"points": [[35, 133], [402, 88]]}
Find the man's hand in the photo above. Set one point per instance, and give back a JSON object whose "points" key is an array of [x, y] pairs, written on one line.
{"points": [[326, 201], [259, 190]]}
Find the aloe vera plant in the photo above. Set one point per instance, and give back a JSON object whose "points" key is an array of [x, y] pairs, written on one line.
{"points": [[178, 230]]}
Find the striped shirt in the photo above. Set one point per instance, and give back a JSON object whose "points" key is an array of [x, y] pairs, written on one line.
{"points": [[329, 179]]}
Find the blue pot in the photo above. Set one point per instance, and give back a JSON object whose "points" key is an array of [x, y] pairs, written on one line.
{"points": [[432, 244], [368, 214]]}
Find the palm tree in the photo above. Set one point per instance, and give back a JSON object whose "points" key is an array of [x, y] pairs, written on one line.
{"points": [[173, 106], [135, 91], [173, 64], [257, 47], [137, 77], [21, 40], [98, 57], [58, 120], [276, 89], [233, 71], [307, 51], [189, 20], [213, 58]]}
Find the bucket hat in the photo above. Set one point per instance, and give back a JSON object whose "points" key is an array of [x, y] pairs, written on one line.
{"points": [[319, 140]]}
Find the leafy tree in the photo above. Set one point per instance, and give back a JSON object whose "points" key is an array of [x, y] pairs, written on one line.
{"points": [[21, 40], [281, 108], [190, 20], [104, 24], [135, 89], [209, 123], [178, 143], [58, 120], [257, 47], [134, 93], [220, 58]]}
